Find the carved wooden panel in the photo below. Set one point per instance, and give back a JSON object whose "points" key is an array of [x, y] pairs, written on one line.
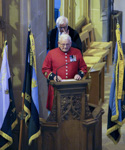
{"points": [[70, 105]]}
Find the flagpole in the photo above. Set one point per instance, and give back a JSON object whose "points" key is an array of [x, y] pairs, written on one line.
{"points": [[22, 117], [22, 113], [21, 123]]}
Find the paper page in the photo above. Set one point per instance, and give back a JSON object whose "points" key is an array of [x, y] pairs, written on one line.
{"points": [[66, 80]]}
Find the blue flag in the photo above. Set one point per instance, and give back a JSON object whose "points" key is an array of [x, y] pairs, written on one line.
{"points": [[30, 91], [8, 118], [116, 111]]}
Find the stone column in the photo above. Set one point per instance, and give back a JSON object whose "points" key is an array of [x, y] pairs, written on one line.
{"points": [[99, 18], [18, 15], [50, 15]]}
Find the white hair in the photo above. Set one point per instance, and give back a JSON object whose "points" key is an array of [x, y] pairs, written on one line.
{"points": [[65, 36], [61, 20]]}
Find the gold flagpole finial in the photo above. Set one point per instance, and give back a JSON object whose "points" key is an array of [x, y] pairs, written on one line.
{"points": [[5, 43], [117, 24], [29, 27]]}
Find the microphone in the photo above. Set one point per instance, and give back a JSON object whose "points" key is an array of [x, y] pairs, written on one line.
{"points": [[63, 66]]}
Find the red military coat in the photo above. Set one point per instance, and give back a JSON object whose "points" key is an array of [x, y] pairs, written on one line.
{"points": [[65, 64]]}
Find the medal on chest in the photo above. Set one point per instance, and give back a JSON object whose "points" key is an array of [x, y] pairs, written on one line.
{"points": [[72, 58]]}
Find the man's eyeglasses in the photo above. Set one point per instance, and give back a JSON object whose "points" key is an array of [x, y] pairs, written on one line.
{"points": [[64, 45], [65, 27]]}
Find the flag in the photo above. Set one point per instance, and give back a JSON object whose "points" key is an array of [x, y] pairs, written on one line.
{"points": [[30, 91], [8, 119], [116, 111]]}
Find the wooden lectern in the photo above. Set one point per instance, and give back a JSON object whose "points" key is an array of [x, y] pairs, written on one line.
{"points": [[72, 123], [96, 93]]}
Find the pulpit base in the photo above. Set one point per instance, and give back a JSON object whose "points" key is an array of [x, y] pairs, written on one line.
{"points": [[73, 134]]}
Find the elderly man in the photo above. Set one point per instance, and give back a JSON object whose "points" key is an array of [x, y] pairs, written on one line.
{"points": [[64, 62], [62, 26]]}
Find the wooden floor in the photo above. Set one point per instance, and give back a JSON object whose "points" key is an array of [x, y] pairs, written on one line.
{"points": [[107, 144]]}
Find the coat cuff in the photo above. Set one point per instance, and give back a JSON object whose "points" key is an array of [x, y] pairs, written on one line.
{"points": [[51, 76], [81, 73]]}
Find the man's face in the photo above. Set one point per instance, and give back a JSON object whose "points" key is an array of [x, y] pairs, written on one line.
{"points": [[64, 45], [63, 27]]}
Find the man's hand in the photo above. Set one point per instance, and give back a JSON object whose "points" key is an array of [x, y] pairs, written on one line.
{"points": [[77, 77], [66, 31], [57, 78]]}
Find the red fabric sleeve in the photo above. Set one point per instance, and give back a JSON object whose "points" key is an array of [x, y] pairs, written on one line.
{"points": [[47, 66]]}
